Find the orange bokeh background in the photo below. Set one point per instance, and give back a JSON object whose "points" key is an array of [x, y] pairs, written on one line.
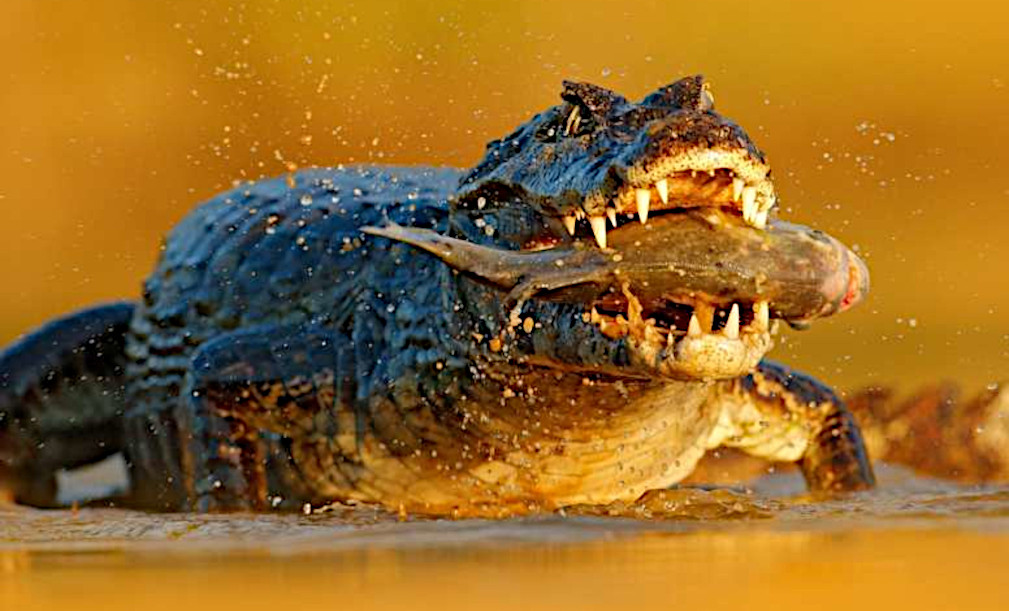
{"points": [[885, 122]]}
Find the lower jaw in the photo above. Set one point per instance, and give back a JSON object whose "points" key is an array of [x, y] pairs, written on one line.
{"points": [[708, 357]]}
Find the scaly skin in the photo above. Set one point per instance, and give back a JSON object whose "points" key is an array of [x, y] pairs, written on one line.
{"points": [[380, 334]]}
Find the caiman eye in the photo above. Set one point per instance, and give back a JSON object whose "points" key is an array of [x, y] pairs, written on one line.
{"points": [[552, 131]]}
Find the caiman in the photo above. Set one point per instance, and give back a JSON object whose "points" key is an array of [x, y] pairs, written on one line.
{"points": [[576, 319]]}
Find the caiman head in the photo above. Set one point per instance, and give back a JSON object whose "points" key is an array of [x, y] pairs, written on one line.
{"points": [[635, 240], [599, 157]]}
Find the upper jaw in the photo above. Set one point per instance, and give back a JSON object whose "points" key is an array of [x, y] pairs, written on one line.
{"points": [[696, 177], [726, 177]]}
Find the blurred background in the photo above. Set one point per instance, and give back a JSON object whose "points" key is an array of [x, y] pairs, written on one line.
{"points": [[885, 122]]}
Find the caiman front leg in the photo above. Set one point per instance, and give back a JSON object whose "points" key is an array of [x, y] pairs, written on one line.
{"points": [[252, 390], [779, 414]]}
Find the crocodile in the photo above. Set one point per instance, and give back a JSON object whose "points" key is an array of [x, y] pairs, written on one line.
{"points": [[576, 319]]}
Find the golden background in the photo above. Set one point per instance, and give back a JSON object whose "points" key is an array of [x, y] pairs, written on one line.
{"points": [[885, 122]]}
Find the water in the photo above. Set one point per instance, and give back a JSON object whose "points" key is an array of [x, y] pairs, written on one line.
{"points": [[913, 542]]}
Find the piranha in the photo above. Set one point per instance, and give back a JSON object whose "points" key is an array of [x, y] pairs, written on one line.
{"points": [[576, 319]]}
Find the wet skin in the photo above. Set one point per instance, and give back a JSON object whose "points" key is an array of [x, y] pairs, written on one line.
{"points": [[575, 320]]}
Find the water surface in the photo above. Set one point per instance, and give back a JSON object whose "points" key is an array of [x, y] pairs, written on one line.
{"points": [[914, 542]]}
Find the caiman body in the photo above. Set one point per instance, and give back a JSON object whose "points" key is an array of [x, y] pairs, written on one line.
{"points": [[500, 339]]}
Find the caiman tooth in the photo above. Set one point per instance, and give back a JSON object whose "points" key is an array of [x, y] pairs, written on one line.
{"points": [[599, 229], [694, 328], [763, 209], [769, 202], [750, 210], [737, 188], [652, 335], [611, 213], [670, 339], [638, 327], [662, 187], [594, 315], [749, 204], [731, 328], [569, 223], [761, 315], [644, 197]]}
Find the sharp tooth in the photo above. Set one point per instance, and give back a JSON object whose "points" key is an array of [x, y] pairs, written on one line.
{"points": [[749, 197], [663, 188], [611, 213], [749, 210], [579, 214], [711, 173], [737, 188], [569, 223], [769, 202], [670, 339], [761, 315], [694, 328], [760, 219], [652, 335], [599, 229], [594, 315], [644, 197], [731, 328]]}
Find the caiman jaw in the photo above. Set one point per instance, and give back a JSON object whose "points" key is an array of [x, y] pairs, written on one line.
{"points": [[699, 341], [695, 179], [690, 295]]}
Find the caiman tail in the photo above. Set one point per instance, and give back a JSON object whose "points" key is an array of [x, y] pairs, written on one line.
{"points": [[937, 431], [62, 400]]}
